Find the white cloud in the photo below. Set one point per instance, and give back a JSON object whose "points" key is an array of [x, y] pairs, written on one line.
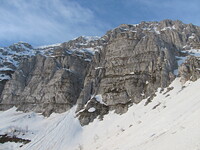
{"points": [[45, 21]]}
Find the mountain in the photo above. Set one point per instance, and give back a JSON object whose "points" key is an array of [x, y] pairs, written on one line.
{"points": [[145, 69]]}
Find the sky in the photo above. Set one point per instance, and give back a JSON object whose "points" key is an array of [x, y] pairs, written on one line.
{"points": [[44, 22]]}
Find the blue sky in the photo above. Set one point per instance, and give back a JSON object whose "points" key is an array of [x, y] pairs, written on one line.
{"points": [[43, 22]]}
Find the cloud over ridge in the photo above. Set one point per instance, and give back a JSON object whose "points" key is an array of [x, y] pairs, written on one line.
{"points": [[43, 22]]}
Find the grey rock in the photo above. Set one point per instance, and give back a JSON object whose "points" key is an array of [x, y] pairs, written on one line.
{"points": [[92, 110], [45, 84], [136, 61], [125, 66], [190, 70]]}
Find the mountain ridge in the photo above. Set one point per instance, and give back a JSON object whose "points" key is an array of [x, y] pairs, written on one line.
{"points": [[136, 87], [122, 67]]}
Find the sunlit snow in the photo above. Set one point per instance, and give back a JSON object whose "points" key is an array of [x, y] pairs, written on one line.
{"points": [[170, 121]]}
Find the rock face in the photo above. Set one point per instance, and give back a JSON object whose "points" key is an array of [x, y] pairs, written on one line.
{"points": [[136, 61], [47, 83], [190, 70], [92, 110], [123, 67]]}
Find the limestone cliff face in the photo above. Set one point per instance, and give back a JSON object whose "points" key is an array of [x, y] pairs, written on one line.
{"points": [[123, 67], [190, 70], [47, 83], [136, 61]]}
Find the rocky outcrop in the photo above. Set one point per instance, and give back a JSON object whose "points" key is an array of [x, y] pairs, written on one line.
{"points": [[124, 66], [190, 70], [136, 61], [9, 60], [46, 84], [92, 110]]}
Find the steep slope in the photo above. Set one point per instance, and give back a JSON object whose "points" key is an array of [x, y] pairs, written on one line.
{"points": [[150, 71], [9, 60], [136, 60], [170, 121], [113, 72], [50, 80]]}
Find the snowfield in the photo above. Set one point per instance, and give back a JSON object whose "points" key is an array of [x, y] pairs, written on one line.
{"points": [[170, 122]]}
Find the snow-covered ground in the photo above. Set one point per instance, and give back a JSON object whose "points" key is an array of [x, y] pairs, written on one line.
{"points": [[170, 122]]}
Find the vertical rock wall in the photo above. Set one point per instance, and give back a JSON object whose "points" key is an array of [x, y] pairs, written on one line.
{"points": [[123, 67]]}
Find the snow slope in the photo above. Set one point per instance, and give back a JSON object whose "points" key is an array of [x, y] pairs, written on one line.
{"points": [[170, 122]]}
